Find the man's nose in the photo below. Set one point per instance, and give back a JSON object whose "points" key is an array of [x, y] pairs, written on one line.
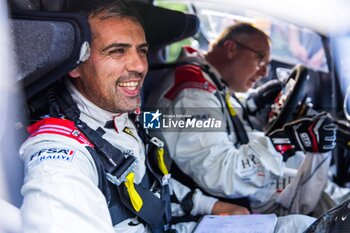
{"points": [[263, 70], [137, 62]]}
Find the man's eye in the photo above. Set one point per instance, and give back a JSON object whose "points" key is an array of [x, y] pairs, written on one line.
{"points": [[118, 51], [143, 51], [260, 56]]}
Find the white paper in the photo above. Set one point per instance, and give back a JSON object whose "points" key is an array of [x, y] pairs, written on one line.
{"points": [[256, 223]]}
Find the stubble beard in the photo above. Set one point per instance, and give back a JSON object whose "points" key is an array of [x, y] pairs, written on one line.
{"points": [[124, 104]]}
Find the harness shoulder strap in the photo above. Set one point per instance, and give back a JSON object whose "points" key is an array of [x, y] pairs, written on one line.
{"points": [[237, 123], [221, 94], [117, 167], [189, 76], [245, 112], [156, 163]]}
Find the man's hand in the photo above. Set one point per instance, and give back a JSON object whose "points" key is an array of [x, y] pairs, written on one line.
{"points": [[316, 134], [263, 96], [225, 208]]}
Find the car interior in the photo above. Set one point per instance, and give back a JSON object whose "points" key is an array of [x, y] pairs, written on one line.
{"points": [[48, 43]]}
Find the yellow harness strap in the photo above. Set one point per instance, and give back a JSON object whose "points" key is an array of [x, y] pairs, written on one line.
{"points": [[135, 198], [229, 105], [160, 159]]}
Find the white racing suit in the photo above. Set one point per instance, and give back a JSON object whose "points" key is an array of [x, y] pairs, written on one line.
{"points": [[60, 189], [254, 170]]}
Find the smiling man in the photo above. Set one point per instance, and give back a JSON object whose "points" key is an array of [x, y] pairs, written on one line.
{"points": [[86, 168], [113, 75]]}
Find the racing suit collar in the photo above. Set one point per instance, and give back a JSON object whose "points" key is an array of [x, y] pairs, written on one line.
{"points": [[217, 74], [92, 112], [192, 55]]}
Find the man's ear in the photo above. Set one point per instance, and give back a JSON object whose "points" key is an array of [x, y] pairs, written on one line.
{"points": [[230, 48], [74, 73]]}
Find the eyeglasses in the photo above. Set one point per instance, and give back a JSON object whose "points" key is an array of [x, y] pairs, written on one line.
{"points": [[260, 55]]}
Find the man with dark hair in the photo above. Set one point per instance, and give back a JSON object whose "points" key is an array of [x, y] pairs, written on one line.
{"points": [[234, 160], [86, 168]]}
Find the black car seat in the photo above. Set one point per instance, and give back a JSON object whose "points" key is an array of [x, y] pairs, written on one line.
{"points": [[45, 46], [48, 43], [179, 26], [168, 27]]}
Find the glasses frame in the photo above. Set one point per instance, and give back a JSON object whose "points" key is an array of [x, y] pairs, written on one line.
{"points": [[260, 55]]}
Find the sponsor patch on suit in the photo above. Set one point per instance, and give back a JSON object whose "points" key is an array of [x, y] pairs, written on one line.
{"points": [[64, 154]]}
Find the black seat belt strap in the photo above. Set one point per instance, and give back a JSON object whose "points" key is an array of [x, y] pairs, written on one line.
{"points": [[153, 208], [155, 163], [237, 124], [244, 109], [242, 137], [117, 166]]}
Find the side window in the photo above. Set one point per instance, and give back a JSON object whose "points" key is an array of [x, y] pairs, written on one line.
{"points": [[296, 45], [173, 50], [290, 44]]}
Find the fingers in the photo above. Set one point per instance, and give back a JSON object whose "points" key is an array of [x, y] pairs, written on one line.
{"points": [[310, 134], [321, 114], [325, 123], [326, 131], [241, 211], [225, 208]]}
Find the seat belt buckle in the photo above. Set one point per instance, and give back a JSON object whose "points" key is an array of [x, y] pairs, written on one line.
{"points": [[118, 180], [157, 142], [165, 179]]}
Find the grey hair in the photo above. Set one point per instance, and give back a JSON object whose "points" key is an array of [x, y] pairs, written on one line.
{"points": [[233, 31]]}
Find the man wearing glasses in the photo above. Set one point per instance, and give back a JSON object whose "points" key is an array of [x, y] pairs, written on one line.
{"points": [[234, 160], [247, 57]]}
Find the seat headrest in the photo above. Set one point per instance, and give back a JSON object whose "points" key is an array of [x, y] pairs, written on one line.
{"points": [[163, 26], [47, 45]]}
